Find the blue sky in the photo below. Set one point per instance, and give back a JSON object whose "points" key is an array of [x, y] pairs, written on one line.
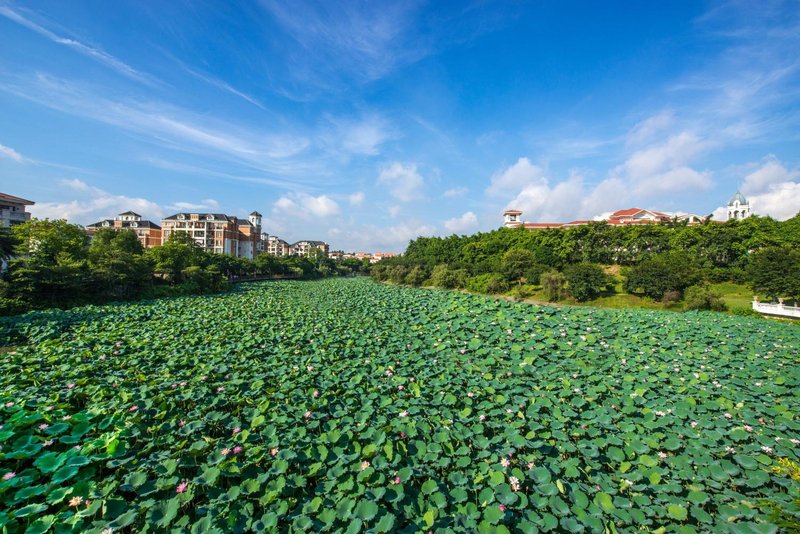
{"points": [[366, 124]]}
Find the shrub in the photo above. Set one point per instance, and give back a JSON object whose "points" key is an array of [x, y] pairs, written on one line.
{"points": [[553, 283], [658, 274], [775, 272], [516, 262], [534, 273], [585, 280], [488, 283], [671, 296], [397, 274], [703, 298], [443, 276], [417, 276]]}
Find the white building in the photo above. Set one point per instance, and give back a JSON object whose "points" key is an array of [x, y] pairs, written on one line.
{"points": [[12, 210], [738, 207], [277, 246]]}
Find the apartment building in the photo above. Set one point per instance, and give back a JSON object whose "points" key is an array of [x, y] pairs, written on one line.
{"points": [[217, 232], [277, 246], [12, 210], [148, 232]]}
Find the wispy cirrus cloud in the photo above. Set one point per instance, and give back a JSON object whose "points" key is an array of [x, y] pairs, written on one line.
{"points": [[173, 127], [8, 152], [91, 52]]}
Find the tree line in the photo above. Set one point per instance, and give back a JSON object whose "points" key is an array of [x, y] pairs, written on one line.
{"points": [[666, 261], [54, 264]]}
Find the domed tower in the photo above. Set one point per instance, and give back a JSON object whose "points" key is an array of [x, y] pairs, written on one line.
{"points": [[738, 207]]}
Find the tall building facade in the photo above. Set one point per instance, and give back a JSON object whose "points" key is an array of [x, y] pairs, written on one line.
{"points": [[217, 232]]}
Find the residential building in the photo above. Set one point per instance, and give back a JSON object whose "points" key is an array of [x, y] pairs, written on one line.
{"points": [[277, 246], [148, 232], [738, 207], [630, 216], [303, 248], [378, 256], [217, 232], [12, 210]]}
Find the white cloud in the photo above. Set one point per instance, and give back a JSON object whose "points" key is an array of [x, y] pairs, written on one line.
{"points": [[521, 175], [306, 206], [402, 233], [356, 199], [91, 204], [772, 172], [403, 181], [362, 136], [208, 204], [674, 180], [461, 225], [11, 153], [664, 167], [455, 192], [780, 201], [393, 211]]}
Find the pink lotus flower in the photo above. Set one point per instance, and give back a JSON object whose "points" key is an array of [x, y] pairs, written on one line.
{"points": [[204, 377], [504, 462], [364, 465], [182, 422], [273, 451], [748, 428], [531, 465], [133, 408], [404, 413], [225, 452], [315, 394], [236, 430], [482, 418], [400, 388], [70, 386], [766, 449], [514, 481], [43, 426], [237, 449], [396, 480], [502, 507], [307, 415], [181, 487], [728, 416], [75, 501], [694, 424], [9, 475], [9, 404]]}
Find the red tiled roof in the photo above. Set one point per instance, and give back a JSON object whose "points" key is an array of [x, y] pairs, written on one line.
{"points": [[512, 212], [630, 212]]}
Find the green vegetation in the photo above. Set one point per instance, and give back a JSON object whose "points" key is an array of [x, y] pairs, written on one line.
{"points": [[56, 266], [345, 404], [649, 266]]}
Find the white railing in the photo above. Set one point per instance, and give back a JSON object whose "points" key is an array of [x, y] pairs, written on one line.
{"points": [[778, 310]]}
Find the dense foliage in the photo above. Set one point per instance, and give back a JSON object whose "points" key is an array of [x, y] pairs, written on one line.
{"points": [[58, 266], [344, 404], [664, 259]]}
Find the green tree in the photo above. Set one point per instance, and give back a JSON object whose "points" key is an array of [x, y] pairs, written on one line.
{"points": [[516, 262], [662, 273], [553, 283], [118, 265], [585, 281], [775, 272], [177, 253]]}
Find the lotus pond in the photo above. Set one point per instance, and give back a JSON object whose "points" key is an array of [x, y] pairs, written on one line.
{"points": [[347, 405]]}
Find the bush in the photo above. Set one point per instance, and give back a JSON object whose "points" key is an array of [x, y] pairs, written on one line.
{"points": [[397, 274], [553, 283], [516, 262], [775, 272], [658, 274], [585, 280], [703, 298], [488, 283], [417, 276], [522, 291], [671, 296], [534, 274], [443, 276]]}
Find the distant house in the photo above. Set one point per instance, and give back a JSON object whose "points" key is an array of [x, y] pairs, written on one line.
{"points": [[630, 216], [217, 232], [277, 246], [148, 232], [12, 210], [303, 248]]}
